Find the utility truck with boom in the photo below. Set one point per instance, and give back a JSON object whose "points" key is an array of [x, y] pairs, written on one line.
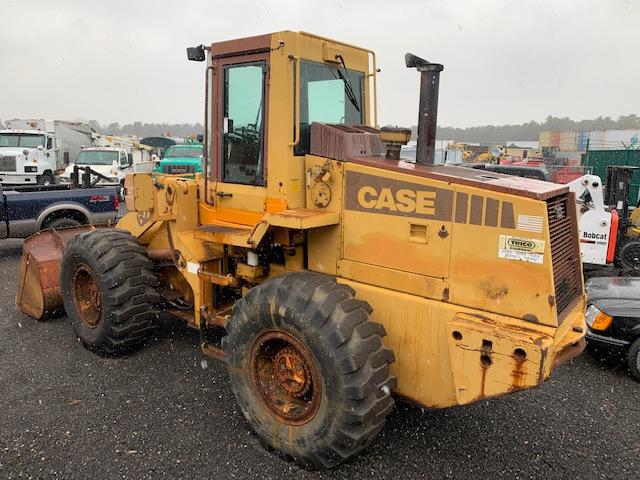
{"points": [[328, 274], [112, 158]]}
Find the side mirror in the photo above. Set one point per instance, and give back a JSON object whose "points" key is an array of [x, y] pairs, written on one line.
{"points": [[130, 158], [196, 54]]}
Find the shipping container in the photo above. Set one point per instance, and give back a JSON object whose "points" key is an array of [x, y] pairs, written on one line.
{"points": [[621, 139], [600, 159], [545, 139], [567, 141], [555, 139], [581, 140]]}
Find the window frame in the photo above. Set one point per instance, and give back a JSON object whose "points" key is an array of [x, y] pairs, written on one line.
{"points": [[216, 167], [299, 149]]}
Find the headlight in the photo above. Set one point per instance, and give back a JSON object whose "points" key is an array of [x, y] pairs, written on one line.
{"points": [[597, 319]]}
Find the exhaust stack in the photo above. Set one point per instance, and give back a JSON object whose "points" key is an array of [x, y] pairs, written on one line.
{"points": [[428, 107]]}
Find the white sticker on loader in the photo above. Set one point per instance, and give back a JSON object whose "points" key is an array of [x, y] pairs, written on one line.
{"points": [[518, 248]]}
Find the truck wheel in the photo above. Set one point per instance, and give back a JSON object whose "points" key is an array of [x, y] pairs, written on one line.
{"points": [[45, 179], [633, 359], [308, 368], [63, 222], [108, 290], [629, 255]]}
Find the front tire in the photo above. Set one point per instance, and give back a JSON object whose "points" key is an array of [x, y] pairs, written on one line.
{"points": [[109, 291], [63, 222], [45, 179], [308, 368], [629, 256]]}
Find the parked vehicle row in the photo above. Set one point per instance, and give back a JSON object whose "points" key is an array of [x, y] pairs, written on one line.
{"points": [[33, 150]]}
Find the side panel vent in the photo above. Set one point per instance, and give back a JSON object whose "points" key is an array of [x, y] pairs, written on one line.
{"points": [[565, 251]]}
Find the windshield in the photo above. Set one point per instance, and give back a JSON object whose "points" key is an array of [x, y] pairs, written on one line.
{"points": [[21, 140], [328, 94], [194, 152], [96, 157]]}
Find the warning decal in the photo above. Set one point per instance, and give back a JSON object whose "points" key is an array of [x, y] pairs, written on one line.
{"points": [[518, 248]]}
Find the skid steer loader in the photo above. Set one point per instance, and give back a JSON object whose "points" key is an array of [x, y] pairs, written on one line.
{"points": [[327, 273]]}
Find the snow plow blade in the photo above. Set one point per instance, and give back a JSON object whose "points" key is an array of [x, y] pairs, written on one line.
{"points": [[39, 294]]}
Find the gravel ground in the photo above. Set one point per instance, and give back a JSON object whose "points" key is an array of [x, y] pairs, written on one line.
{"points": [[166, 412]]}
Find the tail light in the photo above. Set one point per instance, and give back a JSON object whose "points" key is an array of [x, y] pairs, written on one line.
{"points": [[116, 201]]}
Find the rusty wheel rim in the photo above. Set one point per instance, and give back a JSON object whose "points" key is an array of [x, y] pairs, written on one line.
{"points": [[285, 377], [86, 292]]}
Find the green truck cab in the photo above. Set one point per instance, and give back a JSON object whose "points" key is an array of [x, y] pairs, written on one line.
{"points": [[181, 159]]}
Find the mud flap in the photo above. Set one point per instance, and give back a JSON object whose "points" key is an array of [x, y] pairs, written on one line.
{"points": [[39, 294]]}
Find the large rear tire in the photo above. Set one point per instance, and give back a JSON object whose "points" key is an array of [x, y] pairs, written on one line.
{"points": [[309, 369], [109, 291]]}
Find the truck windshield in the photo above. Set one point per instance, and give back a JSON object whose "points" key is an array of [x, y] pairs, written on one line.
{"points": [[97, 157], [328, 94], [174, 152], [21, 140]]}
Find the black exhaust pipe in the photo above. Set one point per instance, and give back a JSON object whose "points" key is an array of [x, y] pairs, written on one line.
{"points": [[428, 107]]}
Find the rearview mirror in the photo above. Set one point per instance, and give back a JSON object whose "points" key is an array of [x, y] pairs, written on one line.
{"points": [[196, 54]]}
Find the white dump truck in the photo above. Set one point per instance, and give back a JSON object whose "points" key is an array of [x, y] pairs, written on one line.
{"points": [[32, 151]]}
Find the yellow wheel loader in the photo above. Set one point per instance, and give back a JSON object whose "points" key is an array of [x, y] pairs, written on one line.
{"points": [[327, 273]]}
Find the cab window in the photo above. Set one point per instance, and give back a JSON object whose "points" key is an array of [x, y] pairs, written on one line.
{"points": [[123, 159], [328, 94], [243, 126]]}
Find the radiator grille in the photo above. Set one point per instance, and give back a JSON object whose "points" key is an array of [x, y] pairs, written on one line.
{"points": [[8, 163], [565, 251], [178, 169]]}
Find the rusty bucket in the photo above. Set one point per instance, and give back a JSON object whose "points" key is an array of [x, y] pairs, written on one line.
{"points": [[39, 292]]}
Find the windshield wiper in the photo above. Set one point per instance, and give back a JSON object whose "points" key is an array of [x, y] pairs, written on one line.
{"points": [[348, 89]]}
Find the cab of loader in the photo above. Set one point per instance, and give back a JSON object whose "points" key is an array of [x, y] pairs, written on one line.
{"points": [[263, 94], [325, 271]]}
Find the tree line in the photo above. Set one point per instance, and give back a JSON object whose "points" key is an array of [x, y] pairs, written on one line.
{"points": [[149, 129], [485, 134], [498, 134]]}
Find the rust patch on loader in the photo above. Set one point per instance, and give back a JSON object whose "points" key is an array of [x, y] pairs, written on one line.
{"points": [[39, 292]]}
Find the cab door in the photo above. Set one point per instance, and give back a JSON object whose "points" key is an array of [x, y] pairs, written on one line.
{"points": [[240, 188]]}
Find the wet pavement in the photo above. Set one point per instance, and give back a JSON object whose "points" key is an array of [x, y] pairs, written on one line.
{"points": [[168, 412]]}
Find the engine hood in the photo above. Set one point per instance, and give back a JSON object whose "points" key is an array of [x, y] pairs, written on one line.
{"points": [[106, 170], [14, 151], [615, 296]]}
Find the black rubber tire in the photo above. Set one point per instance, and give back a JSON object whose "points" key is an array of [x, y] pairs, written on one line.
{"points": [[351, 360], [629, 256], [45, 179], [633, 359], [63, 222], [127, 285]]}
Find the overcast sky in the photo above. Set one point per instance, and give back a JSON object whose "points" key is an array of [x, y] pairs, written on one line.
{"points": [[505, 61]]}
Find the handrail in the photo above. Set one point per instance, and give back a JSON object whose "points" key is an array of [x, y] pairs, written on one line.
{"points": [[296, 87]]}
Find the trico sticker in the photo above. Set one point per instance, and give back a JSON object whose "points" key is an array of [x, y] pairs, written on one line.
{"points": [[519, 248]]}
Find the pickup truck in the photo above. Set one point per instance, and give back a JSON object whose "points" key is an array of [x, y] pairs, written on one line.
{"points": [[24, 210]]}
